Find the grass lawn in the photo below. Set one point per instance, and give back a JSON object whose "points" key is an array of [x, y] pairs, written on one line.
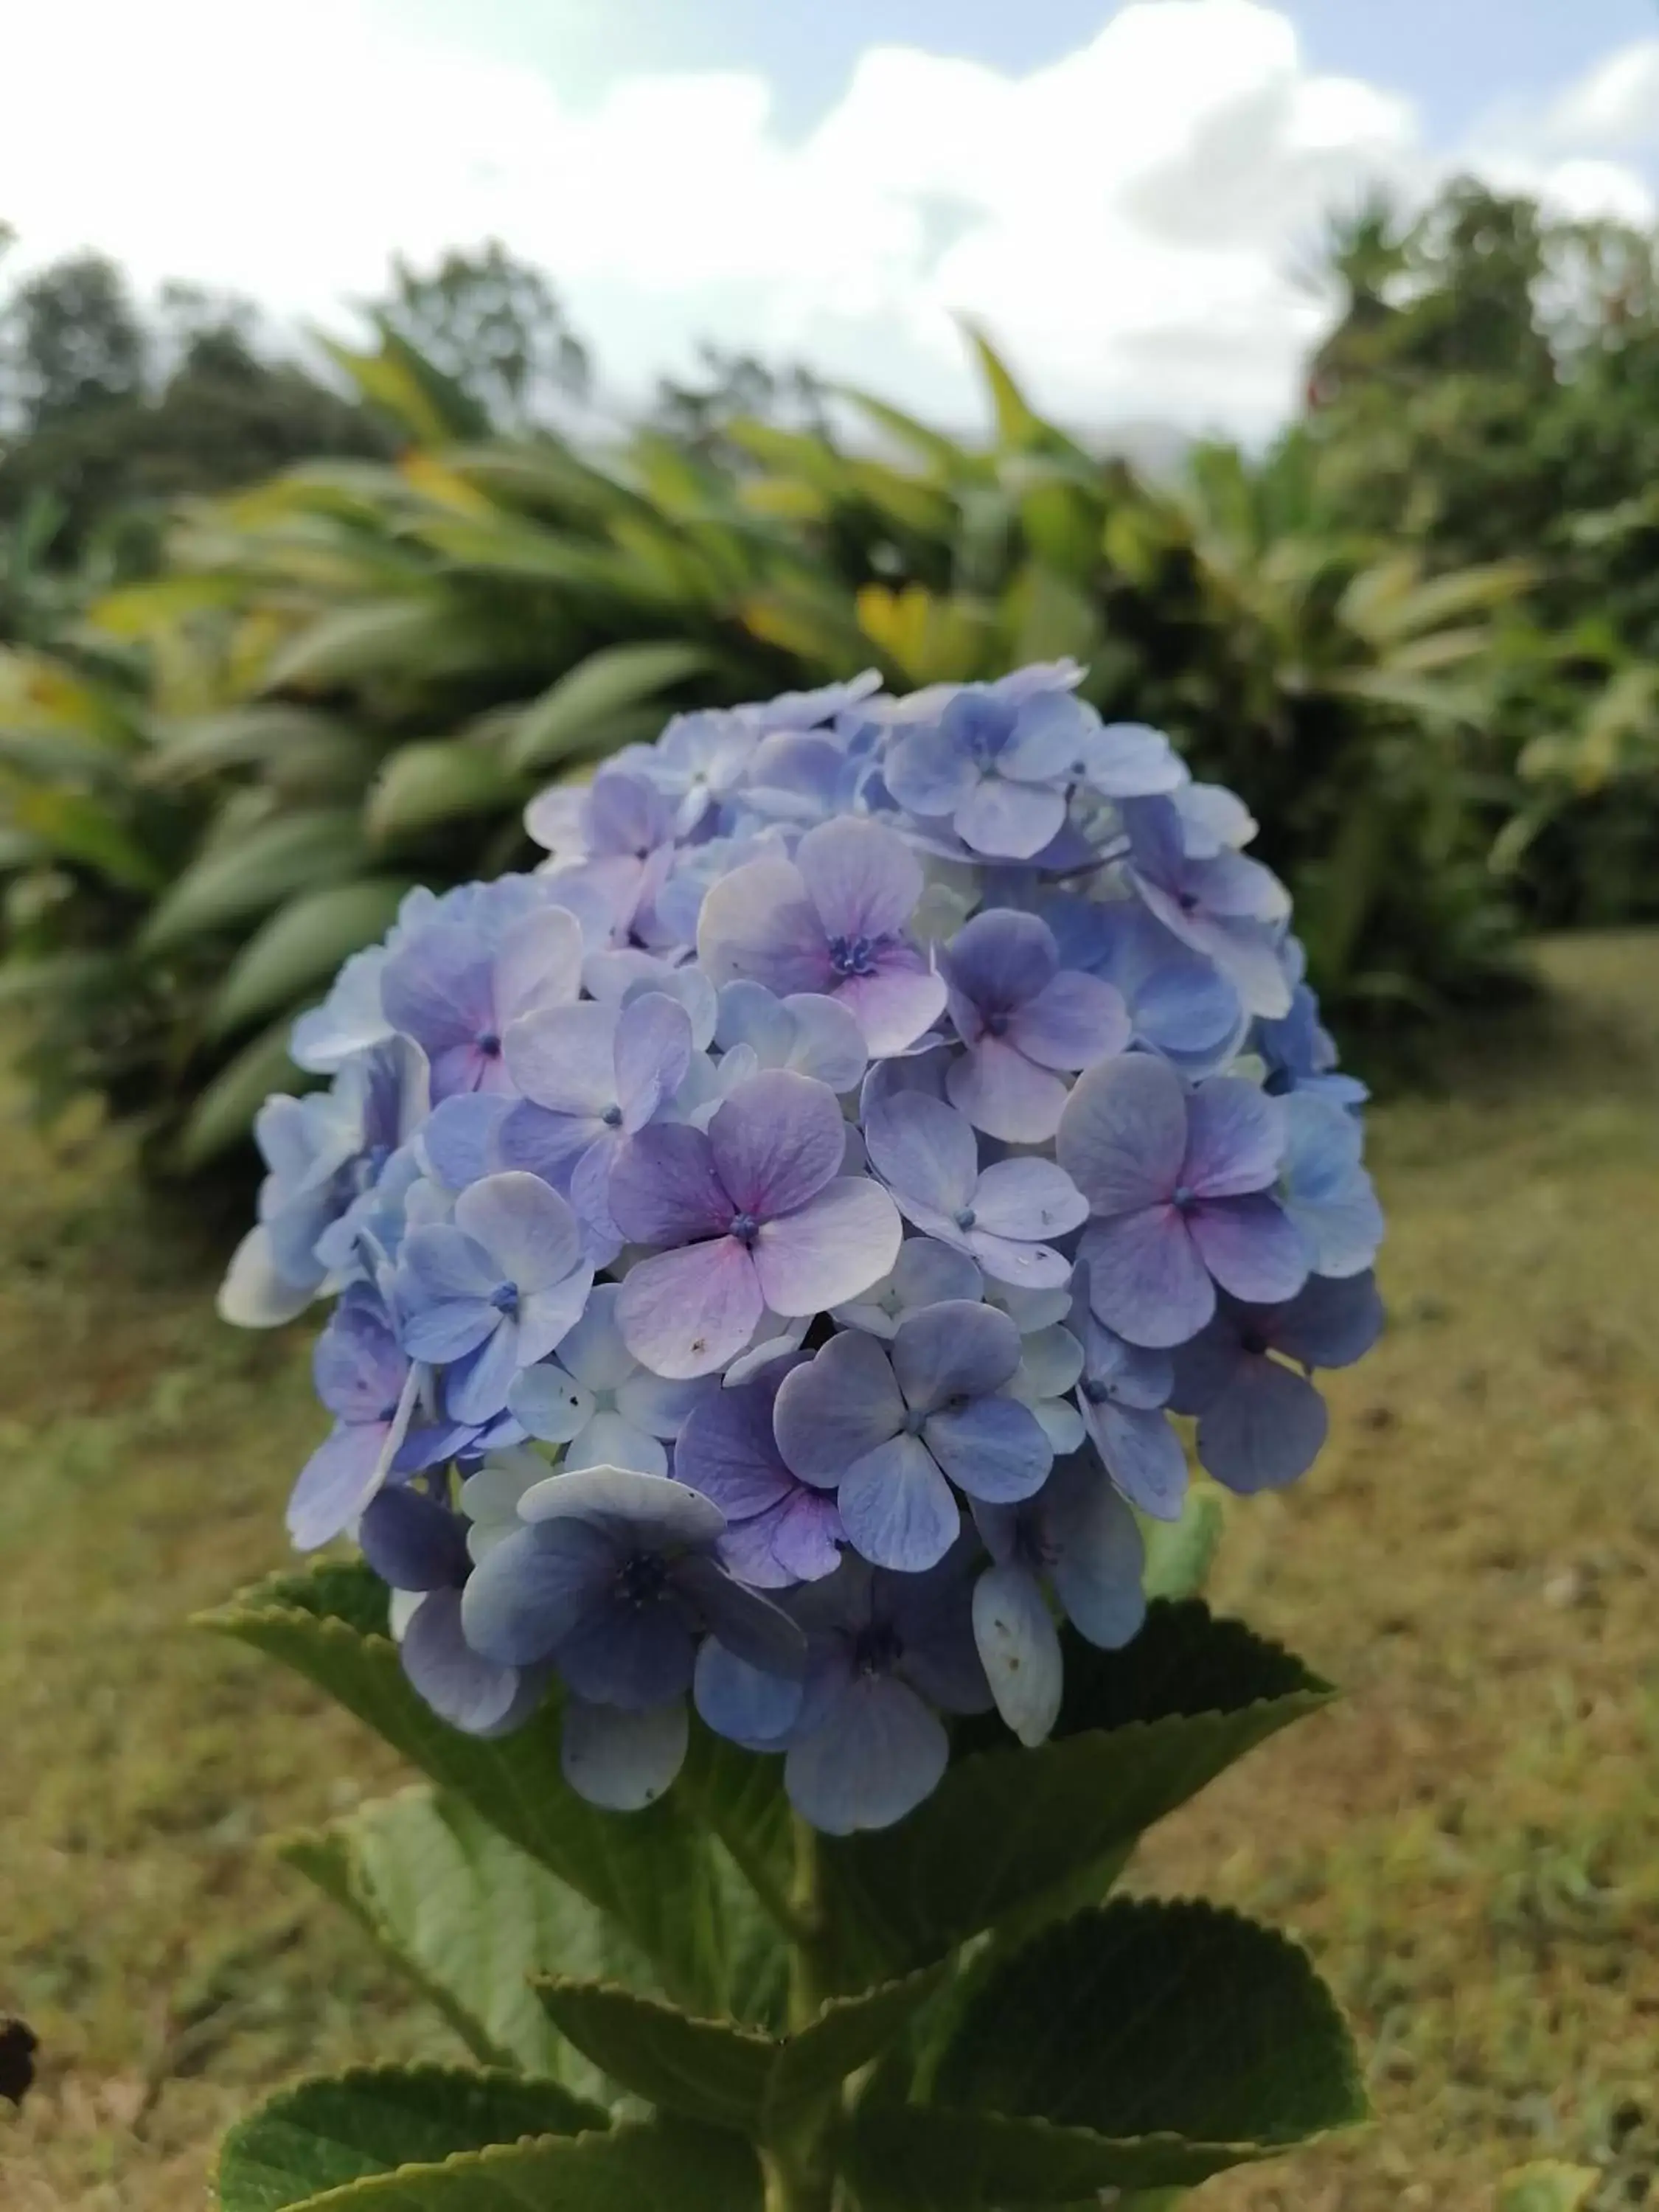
{"points": [[1470, 1844]]}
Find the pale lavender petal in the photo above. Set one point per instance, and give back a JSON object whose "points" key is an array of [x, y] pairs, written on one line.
{"points": [[924, 1149], [776, 1141], [896, 1507], [1266, 1427], [623, 1761], [895, 1004], [437, 989], [1028, 1198], [654, 1051], [991, 1448], [608, 1440], [564, 1058], [1235, 1138], [928, 771], [1050, 1362], [526, 1228], [547, 1317], [828, 1042], [1051, 735], [665, 1187], [636, 1509], [459, 1143], [1009, 821], [829, 1251], [549, 1403], [1020, 1266], [1250, 1247], [839, 1407], [541, 1143], [1019, 1649], [1146, 1280], [1123, 1135], [539, 963], [476, 1384], [336, 1483], [1006, 1094], [956, 1349], [757, 925], [806, 1534], [876, 1755], [1075, 1021], [862, 877], [687, 1313], [1129, 760]]}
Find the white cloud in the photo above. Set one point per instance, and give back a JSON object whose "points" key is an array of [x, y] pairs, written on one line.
{"points": [[1613, 107], [1126, 219]]}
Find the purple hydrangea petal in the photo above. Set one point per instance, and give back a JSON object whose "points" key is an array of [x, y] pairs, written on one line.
{"points": [[632, 1655], [1129, 760], [1146, 1280], [776, 1141], [750, 1627], [539, 963], [993, 1448], [1099, 1557], [873, 1757], [997, 962], [623, 1761], [896, 1507], [539, 1143], [956, 1349], [928, 771], [842, 1405], [758, 925], [666, 1188], [1264, 1430], [1006, 1095], [1235, 1138], [862, 877], [1250, 1247], [896, 1002], [469, 1691], [1329, 1324], [1071, 1024], [686, 1313], [460, 1143], [412, 1542], [1122, 1138], [1019, 1648], [829, 1250], [924, 1151], [727, 1450], [653, 1053]]}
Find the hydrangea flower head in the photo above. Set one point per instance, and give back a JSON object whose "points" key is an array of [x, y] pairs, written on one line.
{"points": [[778, 1245]]}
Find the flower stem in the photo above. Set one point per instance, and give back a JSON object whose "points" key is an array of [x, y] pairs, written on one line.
{"points": [[800, 2174]]}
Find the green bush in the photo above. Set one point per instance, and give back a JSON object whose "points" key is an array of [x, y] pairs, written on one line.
{"points": [[352, 677]]}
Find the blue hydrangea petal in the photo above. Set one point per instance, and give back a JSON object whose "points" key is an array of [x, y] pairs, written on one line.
{"points": [[1019, 1648], [413, 1542], [1235, 1139], [1146, 1280], [624, 1654], [840, 1405], [470, 1692], [776, 1141], [997, 962], [551, 1404], [1028, 1198], [653, 1044], [897, 1508], [829, 1250], [1074, 1021], [923, 1149], [928, 770], [955, 1349], [1264, 1430], [1005, 820], [564, 1058], [1122, 1138], [875, 1755], [1142, 1453], [336, 1483], [534, 1588], [476, 1385], [664, 1188], [746, 1704], [861, 876], [623, 1761], [994, 1448], [1251, 1248], [528, 1229], [750, 1627], [1100, 1557], [1330, 1323], [1006, 1094]]}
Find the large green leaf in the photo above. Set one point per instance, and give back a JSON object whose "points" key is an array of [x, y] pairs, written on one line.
{"points": [[77, 827], [327, 2133], [294, 744], [1141, 1731], [247, 875], [596, 689], [1142, 2045], [652, 1871], [415, 634], [223, 1112], [1180, 1553], [471, 1918], [441, 779], [300, 947], [720, 2071]]}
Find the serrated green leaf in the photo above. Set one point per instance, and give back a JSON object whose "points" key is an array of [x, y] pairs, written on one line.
{"points": [[248, 875], [718, 2070], [224, 1113], [301, 945], [652, 1871], [589, 695], [324, 2134], [471, 1918], [424, 786], [1180, 1553], [921, 2158], [625, 2169], [1141, 1731], [1150, 2018]]}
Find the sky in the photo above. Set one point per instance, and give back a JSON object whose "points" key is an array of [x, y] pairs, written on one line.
{"points": [[1124, 192]]}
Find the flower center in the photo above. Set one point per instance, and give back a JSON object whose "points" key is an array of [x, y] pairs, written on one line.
{"points": [[611, 1117], [505, 1297], [1254, 1342], [852, 956], [489, 1044], [745, 1227], [642, 1580], [1097, 1392], [997, 1025], [1183, 1198], [1188, 902], [965, 1216], [878, 1649]]}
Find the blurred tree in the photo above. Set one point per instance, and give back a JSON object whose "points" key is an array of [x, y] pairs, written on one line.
{"points": [[495, 326]]}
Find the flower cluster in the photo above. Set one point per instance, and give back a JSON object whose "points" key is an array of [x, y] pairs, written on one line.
{"points": [[771, 1241]]}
